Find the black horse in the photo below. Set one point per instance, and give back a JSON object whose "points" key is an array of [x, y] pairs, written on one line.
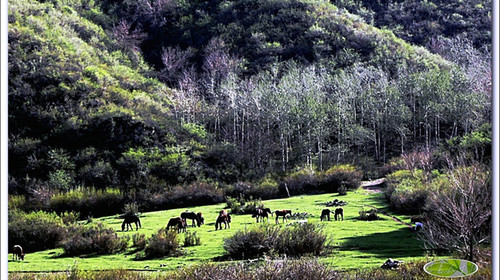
{"points": [[339, 212], [198, 217], [128, 222], [177, 222], [325, 214]]}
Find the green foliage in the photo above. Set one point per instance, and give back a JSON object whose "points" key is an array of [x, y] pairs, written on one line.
{"points": [[295, 240], [35, 231], [93, 240], [407, 191], [162, 244], [88, 201]]}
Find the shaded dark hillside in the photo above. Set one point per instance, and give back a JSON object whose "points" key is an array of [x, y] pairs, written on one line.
{"points": [[419, 22], [78, 101], [263, 32]]}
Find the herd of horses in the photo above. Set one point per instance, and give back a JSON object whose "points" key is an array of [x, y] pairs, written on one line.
{"points": [[197, 219], [224, 218]]}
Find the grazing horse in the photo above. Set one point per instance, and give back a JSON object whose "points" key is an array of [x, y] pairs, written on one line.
{"points": [[223, 218], [128, 222], [262, 213], [325, 214], [283, 214], [177, 222], [193, 217], [17, 253], [339, 212]]}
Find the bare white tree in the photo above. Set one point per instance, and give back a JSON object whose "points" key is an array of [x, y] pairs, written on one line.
{"points": [[460, 216]]}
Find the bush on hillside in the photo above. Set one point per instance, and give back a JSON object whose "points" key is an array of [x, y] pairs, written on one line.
{"points": [[163, 243], [88, 202], [295, 240], [93, 240], [310, 181], [407, 191], [35, 231]]}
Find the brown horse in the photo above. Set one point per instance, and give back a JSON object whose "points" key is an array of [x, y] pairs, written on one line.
{"points": [[282, 213], [339, 212], [198, 217], [128, 222], [262, 213], [17, 253], [325, 214], [223, 218], [177, 222]]}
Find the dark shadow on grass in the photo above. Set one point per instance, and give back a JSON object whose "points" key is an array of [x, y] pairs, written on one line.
{"points": [[395, 244]]}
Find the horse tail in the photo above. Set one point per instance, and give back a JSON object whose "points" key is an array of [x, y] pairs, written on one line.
{"points": [[123, 225]]}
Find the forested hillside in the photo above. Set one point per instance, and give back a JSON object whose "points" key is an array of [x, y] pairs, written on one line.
{"points": [[160, 100]]}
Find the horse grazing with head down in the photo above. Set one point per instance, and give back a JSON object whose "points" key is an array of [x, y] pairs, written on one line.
{"points": [[223, 218], [198, 217], [128, 220], [262, 213], [177, 222], [325, 214], [282, 213], [17, 253], [339, 212]]}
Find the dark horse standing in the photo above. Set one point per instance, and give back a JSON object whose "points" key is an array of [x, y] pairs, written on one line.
{"points": [[325, 214], [177, 222], [198, 217], [223, 218], [262, 213], [129, 220], [282, 213], [339, 212]]}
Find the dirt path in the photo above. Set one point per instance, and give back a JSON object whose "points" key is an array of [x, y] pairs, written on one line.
{"points": [[375, 186]]}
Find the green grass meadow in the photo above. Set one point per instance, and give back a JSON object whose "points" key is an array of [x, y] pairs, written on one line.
{"points": [[355, 244]]}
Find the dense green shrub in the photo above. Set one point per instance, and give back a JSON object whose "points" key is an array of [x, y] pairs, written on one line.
{"points": [[295, 240], [35, 231], [93, 240], [88, 201], [252, 243], [341, 175], [301, 181], [162, 244], [311, 181], [407, 191]]}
